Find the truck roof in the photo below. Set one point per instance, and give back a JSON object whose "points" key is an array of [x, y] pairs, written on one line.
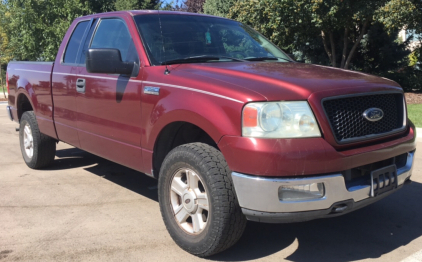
{"points": [[145, 12]]}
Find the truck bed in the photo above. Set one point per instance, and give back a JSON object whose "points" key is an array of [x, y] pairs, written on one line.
{"points": [[32, 81]]}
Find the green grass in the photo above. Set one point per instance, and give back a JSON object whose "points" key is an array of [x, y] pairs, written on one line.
{"points": [[415, 114]]}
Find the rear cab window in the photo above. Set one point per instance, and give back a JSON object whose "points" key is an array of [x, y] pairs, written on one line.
{"points": [[85, 46], [74, 43]]}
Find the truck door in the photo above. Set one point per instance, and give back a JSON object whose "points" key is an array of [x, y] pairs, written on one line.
{"points": [[109, 106], [64, 85]]}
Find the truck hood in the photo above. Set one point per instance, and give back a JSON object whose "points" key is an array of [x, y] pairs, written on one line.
{"points": [[289, 81]]}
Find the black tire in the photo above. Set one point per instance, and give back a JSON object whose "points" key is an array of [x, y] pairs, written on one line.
{"points": [[43, 146], [225, 221]]}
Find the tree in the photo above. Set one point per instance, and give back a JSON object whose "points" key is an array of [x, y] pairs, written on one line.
{"points": [[5, 48], [401, 14], [126, 5], [218, 7], [35, 27], [340, 25], [177, 5], [5, 56], [100, 6], [380, 52], [136, 4], [194, 6], [407, 15]]}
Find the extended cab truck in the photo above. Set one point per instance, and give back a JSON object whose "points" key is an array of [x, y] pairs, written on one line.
{"points": [[231, 126]]}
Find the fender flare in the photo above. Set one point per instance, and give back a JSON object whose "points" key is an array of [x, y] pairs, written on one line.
{"points": [[24, 88]]}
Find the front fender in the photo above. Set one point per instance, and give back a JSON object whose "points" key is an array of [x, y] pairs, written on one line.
{"points": [[215, 118]]}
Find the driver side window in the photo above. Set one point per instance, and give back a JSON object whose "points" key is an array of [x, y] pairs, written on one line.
{"points": [[113, 33]]}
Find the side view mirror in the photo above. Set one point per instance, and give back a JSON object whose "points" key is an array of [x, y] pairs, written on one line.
{"points": [[107, 61]]}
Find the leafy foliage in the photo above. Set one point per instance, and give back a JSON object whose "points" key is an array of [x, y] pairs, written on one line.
{"points": [[218, 7], [404, 14], [5, 54], [35, 28], [135, 4], [398, 14], [126, 5], [175, 5], [194, 6], [380, 52], [355, 34], [5, 49], [100, 6], [340, 25]]}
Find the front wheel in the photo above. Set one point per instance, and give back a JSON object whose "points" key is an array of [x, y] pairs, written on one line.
{"points": [[197, 200], [38, 150]]}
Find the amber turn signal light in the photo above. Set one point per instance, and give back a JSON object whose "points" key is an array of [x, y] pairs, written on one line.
{"points": [[250, 117]]}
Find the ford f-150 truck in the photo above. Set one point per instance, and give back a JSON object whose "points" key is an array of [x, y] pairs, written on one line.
{"points": [[231, 126]]}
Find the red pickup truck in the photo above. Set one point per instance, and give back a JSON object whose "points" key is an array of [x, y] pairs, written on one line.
{"points": [[232, 128]]}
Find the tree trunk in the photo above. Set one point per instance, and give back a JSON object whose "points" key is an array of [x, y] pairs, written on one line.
{"points": [[1, 83], [324, 41], [355, 46], [345, 43], [333, 50]]}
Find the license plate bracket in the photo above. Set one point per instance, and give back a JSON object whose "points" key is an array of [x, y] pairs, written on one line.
{"points": [[383, 180]]}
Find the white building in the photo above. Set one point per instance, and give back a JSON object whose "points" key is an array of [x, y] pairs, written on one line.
{"points": [[415, 42]]}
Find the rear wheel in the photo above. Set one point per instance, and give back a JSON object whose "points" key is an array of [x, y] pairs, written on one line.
{"points": [[197, 200], [38, 150]]}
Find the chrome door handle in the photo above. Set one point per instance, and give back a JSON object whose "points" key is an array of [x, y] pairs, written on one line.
{"points": [[80, 85]]}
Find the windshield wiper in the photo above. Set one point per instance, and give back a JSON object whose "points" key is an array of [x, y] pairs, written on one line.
{"points": [[264, 58], [201, 58]]}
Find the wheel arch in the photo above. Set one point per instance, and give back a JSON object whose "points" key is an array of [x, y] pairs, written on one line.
{"points": [[210, 120], [23, 104], [26, 100], [175, 134]]}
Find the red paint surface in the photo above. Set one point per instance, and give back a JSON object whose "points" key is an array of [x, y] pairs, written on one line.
{"points": [[116, 120], [311, 156]]}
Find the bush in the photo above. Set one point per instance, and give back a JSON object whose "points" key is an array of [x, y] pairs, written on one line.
{"points": [[409, 78]]}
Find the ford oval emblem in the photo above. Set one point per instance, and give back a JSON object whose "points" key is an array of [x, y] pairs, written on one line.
{"points": [[373, 114]]}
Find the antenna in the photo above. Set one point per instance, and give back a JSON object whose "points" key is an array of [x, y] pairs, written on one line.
{"points": [[167, 71]]}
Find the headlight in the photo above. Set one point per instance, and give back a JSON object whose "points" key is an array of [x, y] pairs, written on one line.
{"points": [[279, 120]]}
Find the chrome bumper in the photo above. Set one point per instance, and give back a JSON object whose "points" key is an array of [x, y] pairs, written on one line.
{"points": [[9, 112], [260, 195]]}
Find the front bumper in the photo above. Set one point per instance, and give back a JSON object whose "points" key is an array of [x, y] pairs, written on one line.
{"points": [[259, 200]]}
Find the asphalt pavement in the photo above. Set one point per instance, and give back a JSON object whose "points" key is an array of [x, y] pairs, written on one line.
{"points": [[85, 208]]}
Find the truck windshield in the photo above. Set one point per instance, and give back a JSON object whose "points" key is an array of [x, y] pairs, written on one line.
{"points": [[197, 39]]}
